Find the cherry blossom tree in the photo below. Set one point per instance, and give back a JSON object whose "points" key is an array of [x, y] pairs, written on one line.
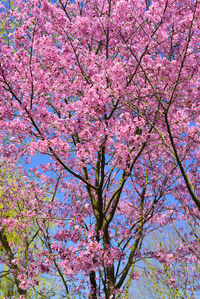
{"points": [[103, 96]]}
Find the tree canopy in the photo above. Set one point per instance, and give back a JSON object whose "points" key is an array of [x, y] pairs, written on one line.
{"points": [[99, 102]]}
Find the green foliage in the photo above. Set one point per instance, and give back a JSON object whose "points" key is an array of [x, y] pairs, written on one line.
{"points": [[15, 243], [7, 285], [155, 276], [7, 24]]}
